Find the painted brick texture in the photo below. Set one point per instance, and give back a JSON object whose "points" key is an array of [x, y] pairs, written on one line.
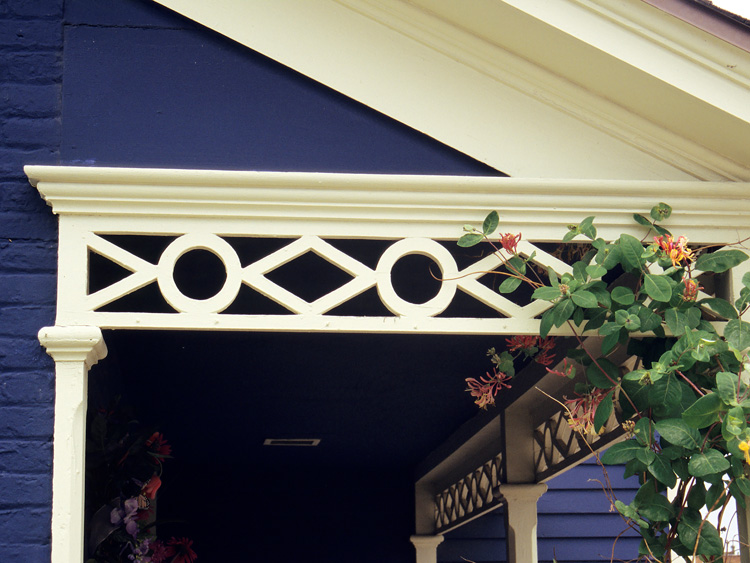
{"points": [[30, 93]]}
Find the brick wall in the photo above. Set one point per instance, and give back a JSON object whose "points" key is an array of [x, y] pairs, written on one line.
{"points": [[30, 93]]}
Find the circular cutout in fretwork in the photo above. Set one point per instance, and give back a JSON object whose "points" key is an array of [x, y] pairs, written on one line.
{"points": [[199, 274], [433, 251], [188, 244], [416, 278]]}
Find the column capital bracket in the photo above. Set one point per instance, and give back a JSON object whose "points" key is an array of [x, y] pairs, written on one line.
{"points": [[426, 541], [74, 343], [522, 491]]}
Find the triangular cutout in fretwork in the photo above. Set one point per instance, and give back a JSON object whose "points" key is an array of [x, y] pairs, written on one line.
{"points": [[142, 272]]}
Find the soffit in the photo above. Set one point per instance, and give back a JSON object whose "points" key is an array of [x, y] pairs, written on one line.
{"points": [[573, 88]]}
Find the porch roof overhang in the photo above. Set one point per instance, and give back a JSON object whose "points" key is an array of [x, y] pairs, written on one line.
{"points": [[601, 88], [200, 209]]}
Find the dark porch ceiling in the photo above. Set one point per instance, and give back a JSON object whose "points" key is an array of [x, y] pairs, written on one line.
{"points": [[375, 400]]}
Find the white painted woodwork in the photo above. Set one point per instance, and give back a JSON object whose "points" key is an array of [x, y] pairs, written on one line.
{"points": [[201, 208], [426, 547], [74, 349], [561, 88], [521, 518]]}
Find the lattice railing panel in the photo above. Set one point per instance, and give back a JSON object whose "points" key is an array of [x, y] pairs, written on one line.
{"points": [[471, 496], [557, 446]]}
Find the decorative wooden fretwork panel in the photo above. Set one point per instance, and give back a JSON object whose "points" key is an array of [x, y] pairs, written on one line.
{"points": [[503, 314], [470, 497]]}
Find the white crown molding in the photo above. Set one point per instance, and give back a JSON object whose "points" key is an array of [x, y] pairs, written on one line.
{"points": [[565, 88], [375, 205]]}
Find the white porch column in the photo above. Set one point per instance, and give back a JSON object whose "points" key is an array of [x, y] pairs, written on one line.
{"points": [[520, 512], [75, 349], [426, 547]]}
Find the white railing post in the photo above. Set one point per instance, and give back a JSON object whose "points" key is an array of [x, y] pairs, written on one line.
{"points": [[426, 547], [75, 349], [520, 512]]}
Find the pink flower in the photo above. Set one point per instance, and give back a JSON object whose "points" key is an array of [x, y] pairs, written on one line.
{"points": [[509, 241], [486, 388]]}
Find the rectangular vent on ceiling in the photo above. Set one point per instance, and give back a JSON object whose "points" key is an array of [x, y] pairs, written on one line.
{"points": [[291, 441]]}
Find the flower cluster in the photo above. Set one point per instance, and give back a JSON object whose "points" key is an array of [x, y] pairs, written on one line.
{"points": [[676, 250], [125, 468], [581, 411], [485, 388], [536, 346]]}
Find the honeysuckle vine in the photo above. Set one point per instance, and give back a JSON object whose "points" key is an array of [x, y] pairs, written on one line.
{"points": [[684, 403]]}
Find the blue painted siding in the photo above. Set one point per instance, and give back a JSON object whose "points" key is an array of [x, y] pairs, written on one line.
{"points": [[576, 524], [30, 130]]}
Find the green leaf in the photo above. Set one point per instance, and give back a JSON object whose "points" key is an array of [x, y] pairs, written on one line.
{"points": [[546, 293], [585, 299], [657, 509], [737, 333], [726, 387], [546, 323], [610, 341], [603, 412], [665, 395], [661, 469], [720, 261], [678, 433], [470, 239], [704, 412], [721, 306], [660, 212], [563, 311], [649, 320], [509, 285], [595, 270], [598, 378], [623, 295], [490, 223], [640, 219], [676, 322], [697, 496], [658, 288], [631, 249], [715, 497], [587, 227], [707, 463], [691, 531], [622, 452]]}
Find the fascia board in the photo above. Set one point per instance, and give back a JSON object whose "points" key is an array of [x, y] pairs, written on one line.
{"points": [[379, 206], [461, 89]]}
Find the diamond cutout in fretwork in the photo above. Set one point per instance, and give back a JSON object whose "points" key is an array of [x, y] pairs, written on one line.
{"points": [[309, 277]]}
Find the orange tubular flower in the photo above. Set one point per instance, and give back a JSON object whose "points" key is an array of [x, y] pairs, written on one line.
{"points": [[151, 486], [582, 410], [509, 241], [677, 251], [691, 289], [486, 388]]}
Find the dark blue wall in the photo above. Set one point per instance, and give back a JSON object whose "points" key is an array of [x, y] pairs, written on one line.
{"points": [[30, 83]]}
